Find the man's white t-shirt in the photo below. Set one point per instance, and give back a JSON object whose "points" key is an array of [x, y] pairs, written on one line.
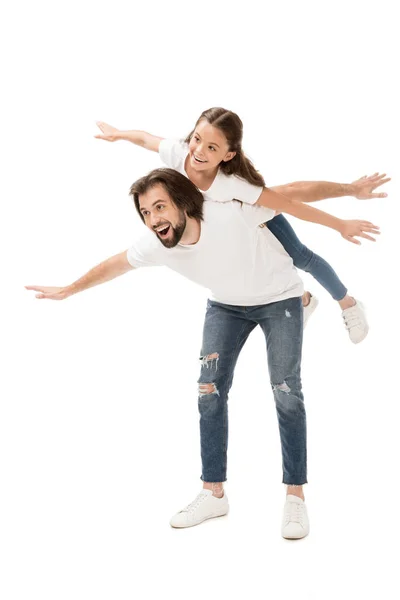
{"points": [[239, 262], [173, 153]]}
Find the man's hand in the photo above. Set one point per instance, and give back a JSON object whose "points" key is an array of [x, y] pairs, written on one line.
{"points": [[51, 293], [364, 187], [349, 229], [109, 133]]}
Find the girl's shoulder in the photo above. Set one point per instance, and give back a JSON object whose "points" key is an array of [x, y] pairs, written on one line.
{"points": [[232, 187], [173, 152]]}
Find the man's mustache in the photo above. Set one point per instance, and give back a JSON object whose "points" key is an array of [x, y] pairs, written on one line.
{"points": [[161, 225]]}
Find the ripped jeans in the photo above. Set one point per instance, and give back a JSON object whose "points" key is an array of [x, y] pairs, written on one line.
{"points": [[226, 329]]}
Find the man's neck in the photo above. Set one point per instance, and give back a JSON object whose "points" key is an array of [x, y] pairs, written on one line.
{"points": [[192, 232]]}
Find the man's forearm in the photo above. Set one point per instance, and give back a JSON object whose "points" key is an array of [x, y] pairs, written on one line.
{"points": [[314, 215], [105, 271], [282, 203], [312, 191]]}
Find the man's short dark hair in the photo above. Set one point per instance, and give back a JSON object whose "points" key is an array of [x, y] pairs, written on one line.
{"points": [[184, 194]]}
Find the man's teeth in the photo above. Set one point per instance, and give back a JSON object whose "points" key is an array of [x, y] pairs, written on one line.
{"points": [[163, 229]]}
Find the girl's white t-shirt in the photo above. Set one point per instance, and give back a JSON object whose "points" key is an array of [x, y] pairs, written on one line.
{"points": [[173, 153]]}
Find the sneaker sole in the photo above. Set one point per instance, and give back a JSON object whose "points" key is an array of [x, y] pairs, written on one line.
{"points": [[199, 522], [295, 537]]}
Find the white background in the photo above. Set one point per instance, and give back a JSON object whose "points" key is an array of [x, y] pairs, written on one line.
{"points": [[99, 424]]}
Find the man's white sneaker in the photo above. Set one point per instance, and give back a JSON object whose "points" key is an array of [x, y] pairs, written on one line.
{"points": [[309, 309], [355, 322], [204, 506], [295, 523]]}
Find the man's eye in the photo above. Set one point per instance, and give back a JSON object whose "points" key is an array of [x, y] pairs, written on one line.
{"points": [[160, 207]]}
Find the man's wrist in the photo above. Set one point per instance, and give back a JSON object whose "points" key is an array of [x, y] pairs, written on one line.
{"points": [[339, 225], [348, 189], [69, 290]]}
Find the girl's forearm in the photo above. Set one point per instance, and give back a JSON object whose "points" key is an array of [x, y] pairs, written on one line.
{"points": [[312, 191], [140, 138], [282, 203]]}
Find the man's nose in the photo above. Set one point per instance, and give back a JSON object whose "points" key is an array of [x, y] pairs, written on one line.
{"points": [[155, 220]]}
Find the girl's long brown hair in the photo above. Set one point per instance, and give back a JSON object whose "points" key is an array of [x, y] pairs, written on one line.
{"points": [[232, 128]]}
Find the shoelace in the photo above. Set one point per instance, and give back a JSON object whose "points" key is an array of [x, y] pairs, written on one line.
{"points": [[196, 503], [294, 513]]}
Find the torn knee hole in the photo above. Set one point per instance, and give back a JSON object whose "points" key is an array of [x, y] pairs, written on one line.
{"points": [[206, 389], [281, 387], [210, 360]]}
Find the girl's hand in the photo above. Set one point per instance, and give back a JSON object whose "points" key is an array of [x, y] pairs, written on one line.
{"points": [[109, 133], [51, 293], [350, 229], [364, 186]]}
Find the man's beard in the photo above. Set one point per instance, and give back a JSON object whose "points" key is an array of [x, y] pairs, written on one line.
{"points": [[174, 233]]}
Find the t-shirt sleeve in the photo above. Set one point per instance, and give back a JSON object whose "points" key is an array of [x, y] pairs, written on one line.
{"points": [[255, 215], [143, 252], [244, 191], [172, 152]]}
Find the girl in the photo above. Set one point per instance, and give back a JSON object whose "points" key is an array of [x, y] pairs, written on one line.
{"points": [[212, 158]]}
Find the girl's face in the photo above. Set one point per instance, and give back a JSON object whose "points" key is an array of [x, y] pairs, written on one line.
{"points": [[208, 147]]}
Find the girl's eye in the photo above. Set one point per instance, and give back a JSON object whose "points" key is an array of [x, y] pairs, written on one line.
{"points": [[212, 148]]}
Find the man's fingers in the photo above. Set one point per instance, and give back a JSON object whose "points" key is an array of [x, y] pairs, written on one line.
{"points": [[381, 181], [368, 224], [352, 240], [366, 236], [376, 195], [370, 227], [371, 230]]}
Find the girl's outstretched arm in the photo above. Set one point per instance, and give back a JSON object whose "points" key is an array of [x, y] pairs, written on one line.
{"points": [[140, 138], [348, 229], [312, 191]]}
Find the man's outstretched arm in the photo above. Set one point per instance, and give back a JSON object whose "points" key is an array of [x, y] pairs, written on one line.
{"points": [[348, 229], [109, 269]]}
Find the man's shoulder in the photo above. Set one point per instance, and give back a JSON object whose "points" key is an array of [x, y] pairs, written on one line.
{"points": [[147, 243], [211, 207]]}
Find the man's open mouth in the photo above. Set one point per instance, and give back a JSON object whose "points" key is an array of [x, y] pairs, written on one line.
{"points": [[163, 231]]}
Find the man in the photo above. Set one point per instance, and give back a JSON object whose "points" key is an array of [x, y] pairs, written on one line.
{"points": [[253, 282]]}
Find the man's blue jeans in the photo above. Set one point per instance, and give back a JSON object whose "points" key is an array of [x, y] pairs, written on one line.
{"points": [[226, 329]]}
